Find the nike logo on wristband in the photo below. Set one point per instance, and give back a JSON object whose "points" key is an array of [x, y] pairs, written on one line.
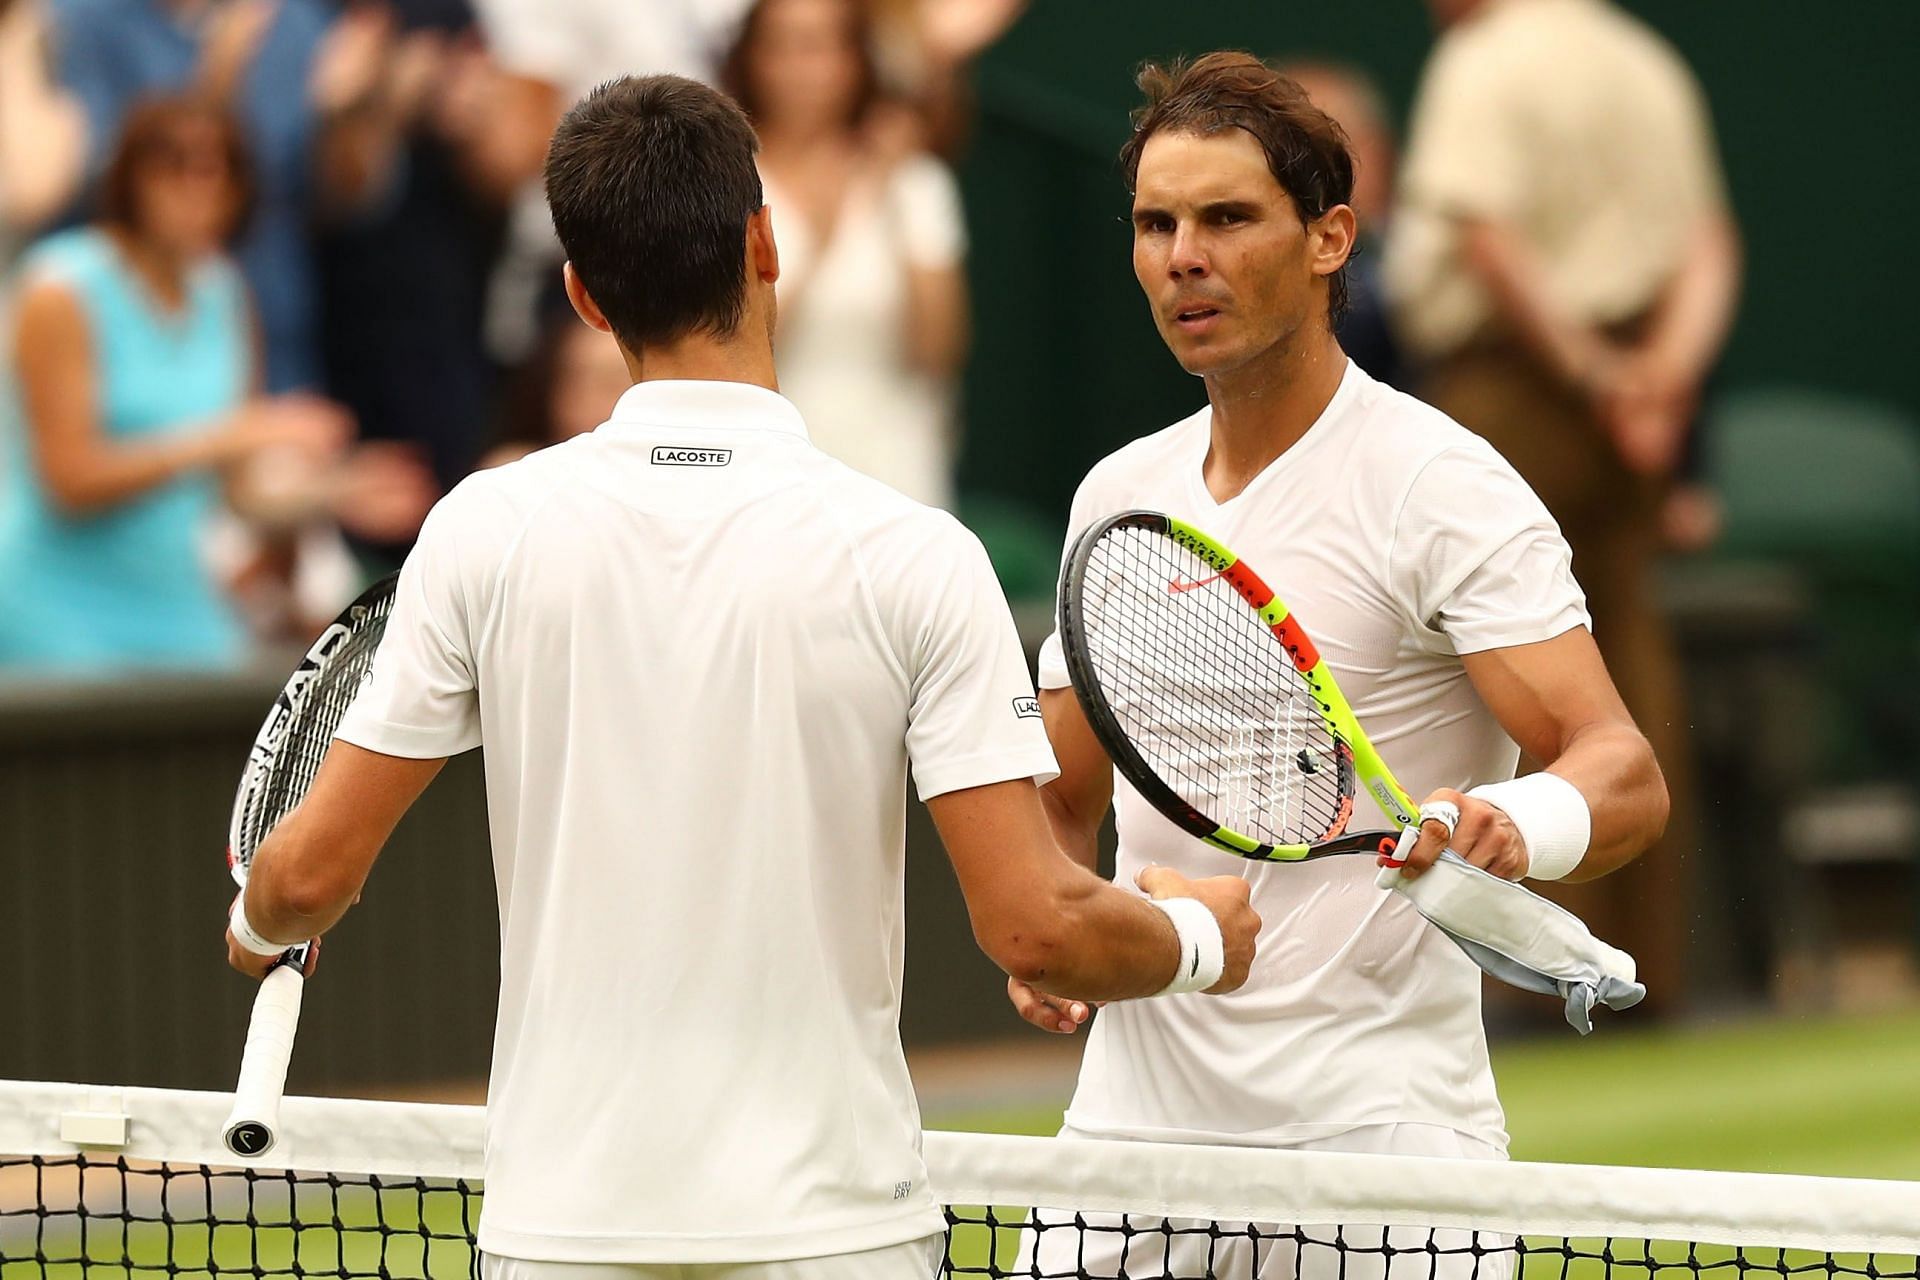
{"points": [[1175, 587]]}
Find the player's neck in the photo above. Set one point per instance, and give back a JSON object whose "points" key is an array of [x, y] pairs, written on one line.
{"points": [[704, 359], [1263, 408]]}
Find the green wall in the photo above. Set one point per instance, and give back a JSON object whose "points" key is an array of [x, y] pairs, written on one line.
{"points": [[1814, 103]]}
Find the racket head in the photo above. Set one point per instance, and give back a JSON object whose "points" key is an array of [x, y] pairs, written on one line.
{"points": [[293, 739], [1211, 700]]}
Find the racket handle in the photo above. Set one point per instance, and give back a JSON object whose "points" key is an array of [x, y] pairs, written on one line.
{"points": [[252, 1126]]}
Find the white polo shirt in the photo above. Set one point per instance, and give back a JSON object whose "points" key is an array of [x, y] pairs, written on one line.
{"points": [[1401, 541], [701, 655]]}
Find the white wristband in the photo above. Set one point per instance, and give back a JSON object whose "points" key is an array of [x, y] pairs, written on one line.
{"points": [[246, 935], [1552, 816], [1203, 951]]}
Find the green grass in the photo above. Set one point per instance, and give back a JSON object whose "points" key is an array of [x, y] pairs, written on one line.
{"points": [[1829, 1096], [406, 1233]]}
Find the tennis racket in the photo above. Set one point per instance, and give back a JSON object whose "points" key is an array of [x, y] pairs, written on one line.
{"points": [[280, 768], [1212, 700]]}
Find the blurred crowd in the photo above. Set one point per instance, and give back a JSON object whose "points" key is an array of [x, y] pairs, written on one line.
{"points": [[279, 274]]}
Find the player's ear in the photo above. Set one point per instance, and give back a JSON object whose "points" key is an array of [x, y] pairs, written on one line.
{"points": [[583, 303], [763, 255], [1330, 239]]}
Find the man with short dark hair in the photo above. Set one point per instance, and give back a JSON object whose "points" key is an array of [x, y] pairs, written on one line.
{"points": [[1439, 592], [702, 656]]}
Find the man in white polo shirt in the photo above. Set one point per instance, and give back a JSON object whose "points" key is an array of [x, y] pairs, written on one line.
{"points": [[702, 656], [1441, 595]]}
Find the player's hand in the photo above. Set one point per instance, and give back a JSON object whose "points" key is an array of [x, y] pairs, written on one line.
{"points": [[1229, 898], [1049, 1013], [257, 967], [1485, 837]]}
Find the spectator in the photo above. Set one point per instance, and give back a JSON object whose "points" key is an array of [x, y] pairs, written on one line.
{"points": [[551, 52], [925, 51], [403, 285], [566, 388], [133, 357], [873, 307], [1565, 259], [1365, 330], [298, 81]]}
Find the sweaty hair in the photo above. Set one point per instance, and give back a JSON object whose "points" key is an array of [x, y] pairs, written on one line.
{"points": [[651, 181], [150, 136], [1306, 151]]}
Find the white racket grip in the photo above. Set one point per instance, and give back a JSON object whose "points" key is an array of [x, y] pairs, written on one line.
{"points": [[250, 1129]]}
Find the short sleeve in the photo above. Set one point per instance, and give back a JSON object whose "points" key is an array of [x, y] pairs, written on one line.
{"points": [[1465, 154], [421, 702], [925, 202], [1052, 666], [972, 718], [1476, 560]]}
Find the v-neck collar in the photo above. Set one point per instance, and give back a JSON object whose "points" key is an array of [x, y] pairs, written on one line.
{"points": [[1289, 459]]}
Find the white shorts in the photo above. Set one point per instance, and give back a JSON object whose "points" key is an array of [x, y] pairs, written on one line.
{"points": [[914, 1260], [1141, 1247]]}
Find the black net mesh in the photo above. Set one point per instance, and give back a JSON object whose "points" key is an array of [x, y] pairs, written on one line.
{"points": [[75, 1216], [1206, 693], [81, 1216]]}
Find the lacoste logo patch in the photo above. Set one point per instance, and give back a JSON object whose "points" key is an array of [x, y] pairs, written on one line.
{"points": [[677, 455], [1027, 708]]}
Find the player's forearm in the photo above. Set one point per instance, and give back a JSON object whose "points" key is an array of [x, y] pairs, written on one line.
{"points": [[1090, 940], [1078, 835], [296, 891], [1614, 769], [1077, 801], [1517, 283], [313, 865], [1695, 314]]}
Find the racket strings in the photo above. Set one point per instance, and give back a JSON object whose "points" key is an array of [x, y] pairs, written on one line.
{"points": [[1207, 693], [315, 712]]}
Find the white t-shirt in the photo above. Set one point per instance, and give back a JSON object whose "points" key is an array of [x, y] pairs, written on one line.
{"points": [[701, 655], [1401, 541], [843, 325]]}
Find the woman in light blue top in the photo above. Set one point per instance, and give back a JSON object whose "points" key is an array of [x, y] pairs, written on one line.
{"points": [[134, 367]]}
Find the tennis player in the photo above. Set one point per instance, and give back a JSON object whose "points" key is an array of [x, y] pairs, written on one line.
{"points": [[702, 656], [1441, 594]]}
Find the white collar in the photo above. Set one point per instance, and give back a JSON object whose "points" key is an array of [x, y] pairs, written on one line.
{"points": [[735, 406]]}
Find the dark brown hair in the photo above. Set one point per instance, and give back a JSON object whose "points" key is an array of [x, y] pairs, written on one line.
{"points": [[651, 182], [737, 81], [1306, 150], [146, 135]]}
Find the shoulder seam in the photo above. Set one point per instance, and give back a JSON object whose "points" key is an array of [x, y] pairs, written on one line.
{"points": [[852, 544], [1400, 511]]}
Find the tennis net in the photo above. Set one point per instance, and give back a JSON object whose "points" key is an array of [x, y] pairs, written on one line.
{"points": [[134, 1182]]}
